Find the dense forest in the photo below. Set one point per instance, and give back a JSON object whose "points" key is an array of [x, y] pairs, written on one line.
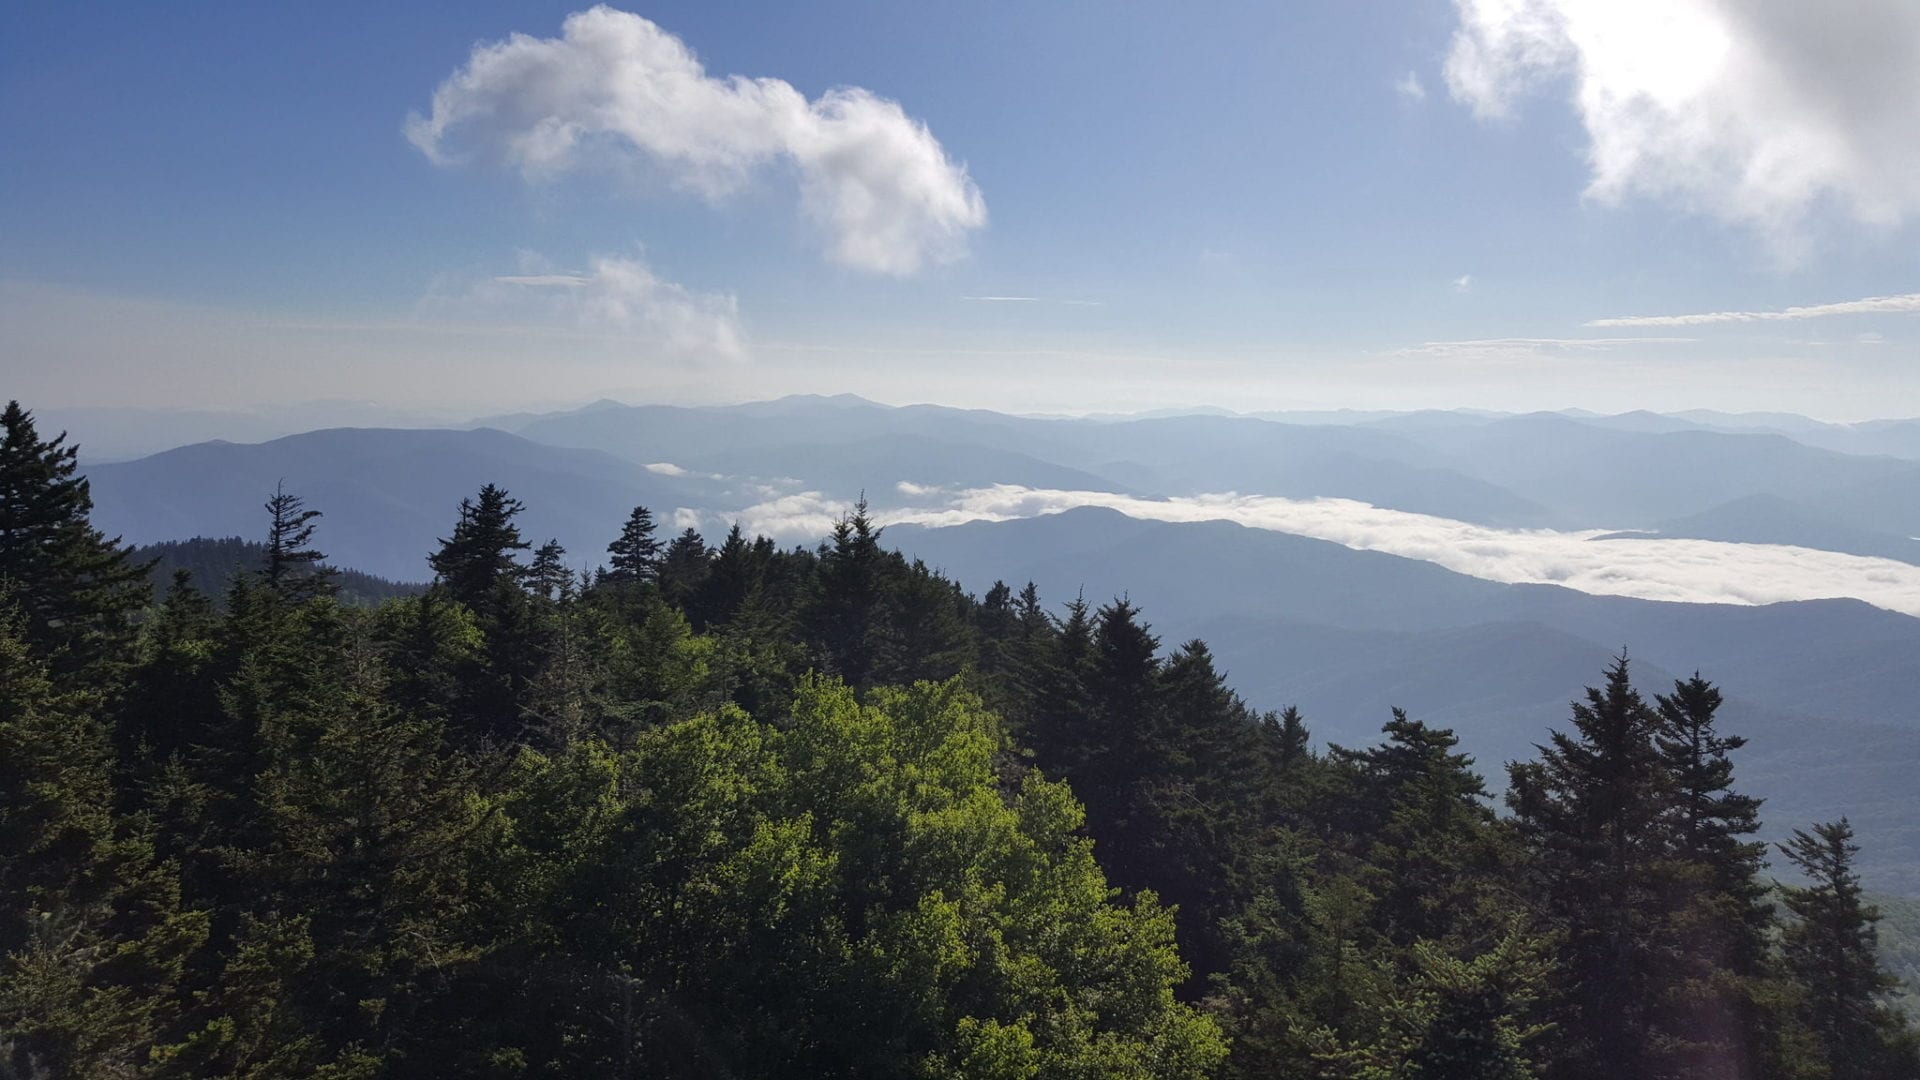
{"points": [[211, 564], [746, 811]]}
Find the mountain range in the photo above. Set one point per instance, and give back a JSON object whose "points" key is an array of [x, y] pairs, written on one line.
{"points": [[1825, 687]]}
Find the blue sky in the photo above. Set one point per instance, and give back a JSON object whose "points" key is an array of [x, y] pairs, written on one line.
{"points": [[1261, 206]]}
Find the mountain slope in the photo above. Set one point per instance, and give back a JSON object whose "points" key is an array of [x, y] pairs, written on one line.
{"points": [[387, 494], [1826, 689]]}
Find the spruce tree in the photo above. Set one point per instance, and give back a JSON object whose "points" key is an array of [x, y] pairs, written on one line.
{"points": [[1830, 950], [548, 575], [75, 590], [477, 561], [293, 567], [843, 621], [684, 569], [737, 571], [635, 553], [92, 935], [1592, 808], [1425, 832], [1720, 903]]}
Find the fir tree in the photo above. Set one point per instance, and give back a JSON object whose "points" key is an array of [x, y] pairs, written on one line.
{"points": [[293, 567], [477, 561], [1830, 950], [635, 553], [92, 935], [75, 589], [684, 569], [1720, 903], [1591, 808], [548, 575], [844, 620], [1425, 834]]}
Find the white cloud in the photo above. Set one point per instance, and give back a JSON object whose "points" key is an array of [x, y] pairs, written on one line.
{"points": [[1410, 87], [615, 294], [1517, 349], [1652, 568], [665, 468], [874, 178], [1872, 305], [1463, 283], [1033, 300], [1756, 113]]}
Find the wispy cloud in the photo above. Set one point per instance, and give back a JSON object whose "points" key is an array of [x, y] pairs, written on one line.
{"points": [[615, 294], [1033, 300], [1410, 87], [1904, 304], [1528, 348], [1463, 283], [613, 83]]}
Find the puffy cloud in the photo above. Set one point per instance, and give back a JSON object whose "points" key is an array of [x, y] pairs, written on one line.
{"points": [[665, 468], [1873, 305], [875, 179], [620, 295], [1756, 112], [1652, 568]]}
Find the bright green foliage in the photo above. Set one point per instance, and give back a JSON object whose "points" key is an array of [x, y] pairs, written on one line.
{"points": [[528, 825], [842, 894]]}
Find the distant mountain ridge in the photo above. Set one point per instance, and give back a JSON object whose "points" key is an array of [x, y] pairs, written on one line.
{"points": [[1830, 684], [1829, 690]]}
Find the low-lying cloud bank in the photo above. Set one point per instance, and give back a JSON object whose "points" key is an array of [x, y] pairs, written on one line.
{"points": [[1650, 568]]}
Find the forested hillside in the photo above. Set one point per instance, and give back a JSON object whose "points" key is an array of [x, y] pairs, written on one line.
{"points": [[211, 564], [754, 810]]}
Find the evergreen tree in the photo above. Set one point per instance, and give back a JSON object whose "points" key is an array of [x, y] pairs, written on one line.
{"points": [[1453, 1019], [1830, 949], [548, 575], [1592, 809], [736, 573], [293, 567], [92, 936], [1720, 903], [635, 553], [173, 685], [1425, 835], [75, 589], [477, 562], [684, 569], [477, 567], [844, 620]]}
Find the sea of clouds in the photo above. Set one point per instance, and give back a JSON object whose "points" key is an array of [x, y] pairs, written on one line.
{"points": [[1591, 561]]}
